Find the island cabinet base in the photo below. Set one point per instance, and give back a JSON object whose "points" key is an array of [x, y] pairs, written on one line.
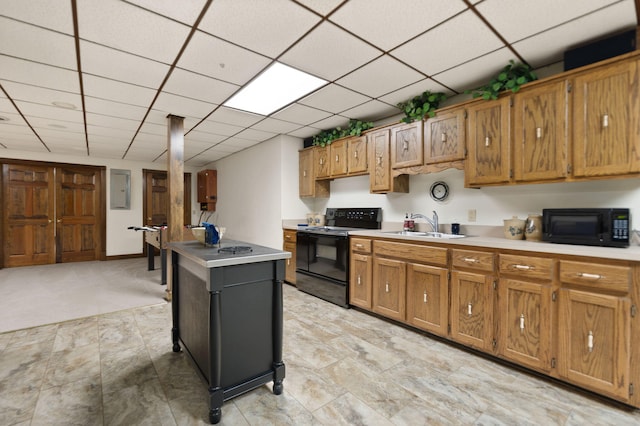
{"points": [[229, 321]]}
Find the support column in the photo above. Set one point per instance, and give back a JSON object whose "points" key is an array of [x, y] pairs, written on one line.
{"points": [[175, 176]]}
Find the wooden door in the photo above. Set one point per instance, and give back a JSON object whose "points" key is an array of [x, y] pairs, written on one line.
{"points": [[444, 137], [360, 281], [488, 142], [594, 339], [156, 196], [428, 298], [525, 316], [472, 309], [389, 288], [606, 119], [28, 210], [78, 216], [540, 133], [406, 145]]}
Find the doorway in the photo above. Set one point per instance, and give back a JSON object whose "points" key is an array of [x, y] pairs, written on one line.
{"points": [[52, 213], [155, 210]]}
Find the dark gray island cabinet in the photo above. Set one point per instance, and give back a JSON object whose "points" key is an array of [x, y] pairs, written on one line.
{"points": [[227, 315]]}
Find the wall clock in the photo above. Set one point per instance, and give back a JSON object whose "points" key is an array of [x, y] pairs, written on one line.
{"points": [[439, 191]]}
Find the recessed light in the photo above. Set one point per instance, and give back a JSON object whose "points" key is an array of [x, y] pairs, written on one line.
{"points": [[65, 105], [57, 126], [276, 87], [2, 118]]}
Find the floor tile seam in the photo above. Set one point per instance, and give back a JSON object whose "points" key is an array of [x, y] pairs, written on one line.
{"points": [[373, 409]]}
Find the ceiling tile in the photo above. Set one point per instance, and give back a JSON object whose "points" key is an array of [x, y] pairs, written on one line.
{"points": [[187, 12], [388, 24], [371, 111], [255, 135], [218, 128], [105, 121], [334, 98], [203, 137], [196, 86], [329, 52], [275, 126], [181, 106], [266, 27], [238, 144], [549, 46], [235, 117], [154, 129], [223, 60], [51, 124], [301, 114], [116, 65], [506, 17], [28, 72], [416, 89], [160, 118], [456, 41], [113, 109], [117, 91], [26, 41], [40, 95], [305, 132], [373, 79], [30, 109], [331, 123], [131, 29], [476, 73], [50, 14], [323, 7]]}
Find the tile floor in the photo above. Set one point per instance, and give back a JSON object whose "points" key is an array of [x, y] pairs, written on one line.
{"points": [[342, 367]]}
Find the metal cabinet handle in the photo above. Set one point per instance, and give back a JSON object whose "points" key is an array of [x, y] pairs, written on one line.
{"points": [[469, 312], [589, 276], [355, 154], [359, 280], [405, 145], [590, 341], [379, 160], [523, 267], [538, 132], [304, 173], [337, 158], [288, 262], [425, 297], [486, 141], [605, 121], [386, 287], [521, 323], [443, 138], [470, 260], [358, 245]]}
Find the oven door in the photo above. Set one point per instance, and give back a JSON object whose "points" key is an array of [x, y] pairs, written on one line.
{"points": [[323, 255]]}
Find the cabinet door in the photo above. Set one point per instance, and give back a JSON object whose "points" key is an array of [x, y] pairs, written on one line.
{"points": [[321, 159], [525, 323], [380, 174], [360, 281], [290, 265], [540, 132], [406, 145], [338, 157], [444, 137], [207, 186], [305, 169], [605, 121], [389, 288], [357, 155], [472, 309], [488, 142], [594, 339], [428, 298]]}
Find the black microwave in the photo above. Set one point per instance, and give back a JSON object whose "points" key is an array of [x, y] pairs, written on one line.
{"points": [[592, 227]]}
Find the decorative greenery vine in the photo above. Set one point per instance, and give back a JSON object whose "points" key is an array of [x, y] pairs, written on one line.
{"points": [[420, 106], [355, 128], [510, 78]]}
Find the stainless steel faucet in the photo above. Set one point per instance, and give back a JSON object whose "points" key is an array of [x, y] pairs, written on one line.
{"points": [[433, 222]]}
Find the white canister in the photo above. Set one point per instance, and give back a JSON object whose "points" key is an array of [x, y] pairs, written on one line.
{"points": [[514, 228], [319, 220]]}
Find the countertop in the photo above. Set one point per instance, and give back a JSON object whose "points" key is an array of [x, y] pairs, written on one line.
{"points": [[630, 253], [209, 257]]}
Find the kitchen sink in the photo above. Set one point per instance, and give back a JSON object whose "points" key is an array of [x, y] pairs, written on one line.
{"points": [[425, 234]]}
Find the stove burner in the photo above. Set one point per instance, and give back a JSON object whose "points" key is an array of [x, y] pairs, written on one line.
{"points": [[235, 249]]}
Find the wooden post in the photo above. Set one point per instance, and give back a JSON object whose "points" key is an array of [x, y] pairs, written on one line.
{"points": [[175, 177]]}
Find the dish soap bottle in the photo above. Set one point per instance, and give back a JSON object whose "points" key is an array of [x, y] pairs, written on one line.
{"points": [[409, 224]]}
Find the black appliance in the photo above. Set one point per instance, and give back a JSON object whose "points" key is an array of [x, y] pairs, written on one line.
{"points": [[591, 226], [322, 252]]}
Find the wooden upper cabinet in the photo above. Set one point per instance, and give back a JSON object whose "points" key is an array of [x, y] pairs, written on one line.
{"points": [[406, 145], [357, 155], [208, 187], [444, 137], [488, 140], [338, 157], [540, 132], [380, 178], [308, 186], [606, 120], [321, 160]]}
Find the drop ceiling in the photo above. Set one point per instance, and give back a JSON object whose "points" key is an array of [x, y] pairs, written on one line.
{"points": [[98, 78]]}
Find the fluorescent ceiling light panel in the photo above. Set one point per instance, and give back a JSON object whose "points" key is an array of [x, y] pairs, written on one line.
{"points": [[278, 86]]}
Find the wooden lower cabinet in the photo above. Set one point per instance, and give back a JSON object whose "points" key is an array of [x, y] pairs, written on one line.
{"points": [[472, 309], [428, 298], [289, 245], [360, 281], [389, 288]]}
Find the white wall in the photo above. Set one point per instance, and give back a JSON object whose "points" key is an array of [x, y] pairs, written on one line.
{"points": [[120, 240]]}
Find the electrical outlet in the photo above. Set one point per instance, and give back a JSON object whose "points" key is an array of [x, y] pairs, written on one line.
{"points": [[471, 215]]}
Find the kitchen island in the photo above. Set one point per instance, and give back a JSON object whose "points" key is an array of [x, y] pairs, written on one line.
{"points": [[227, 315]]}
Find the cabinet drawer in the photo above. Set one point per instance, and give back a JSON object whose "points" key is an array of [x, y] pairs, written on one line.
{"points": [[411, 252], [594, 275], [526, 266], [360, 245], [289, 236], [480, 260]]}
